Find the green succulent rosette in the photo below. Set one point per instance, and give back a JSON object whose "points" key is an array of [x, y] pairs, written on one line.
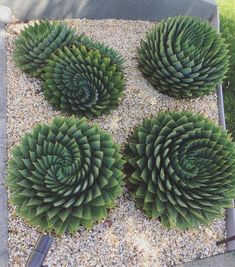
{"points": [[182, 169], [184, 57], [65, 175], [84, 81], [37, 42]]}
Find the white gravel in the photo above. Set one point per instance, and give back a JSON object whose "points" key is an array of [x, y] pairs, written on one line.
{"points": [[126, 237]]}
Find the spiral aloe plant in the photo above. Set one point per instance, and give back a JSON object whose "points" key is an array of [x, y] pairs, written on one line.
{"points": [[84, 80], [65, 175], [184, 57], [182, 169], [37, 42]]}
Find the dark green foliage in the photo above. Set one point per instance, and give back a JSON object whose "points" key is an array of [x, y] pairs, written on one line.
{"points": [[83, 80], [184, 57], [115, 57], [36, 43], [65, 175], [229, 105], [183, 169], [227, 28]]}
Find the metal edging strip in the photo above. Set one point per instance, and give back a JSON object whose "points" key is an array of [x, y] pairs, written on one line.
{"points": [[230, 212]]}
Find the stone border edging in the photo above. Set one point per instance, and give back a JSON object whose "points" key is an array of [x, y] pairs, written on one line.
{"points": [[3, 145], [150, 10], [230, 213]]}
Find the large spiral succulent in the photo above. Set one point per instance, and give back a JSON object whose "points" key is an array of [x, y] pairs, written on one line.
{"points": [[184, 57], [37, 42], [183, 169], [84, 80], [65, 175]]}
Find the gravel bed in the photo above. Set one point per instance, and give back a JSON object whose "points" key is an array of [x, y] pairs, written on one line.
{"points": [[126, 237]]}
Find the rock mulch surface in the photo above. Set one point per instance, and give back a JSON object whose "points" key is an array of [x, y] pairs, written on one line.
{"points": [[126, 237]]}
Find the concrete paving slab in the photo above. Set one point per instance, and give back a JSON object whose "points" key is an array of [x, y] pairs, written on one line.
{"points": [[101, 9], [223, 260], [5, 14]]}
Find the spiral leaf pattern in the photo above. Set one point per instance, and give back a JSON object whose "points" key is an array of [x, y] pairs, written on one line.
{"points": [[37, 42], [184, 57], [115, 57], [183, 169], [83, 81], [65, 175]]}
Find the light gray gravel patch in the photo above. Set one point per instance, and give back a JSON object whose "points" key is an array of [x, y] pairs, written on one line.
{"points": [[126, 237]]}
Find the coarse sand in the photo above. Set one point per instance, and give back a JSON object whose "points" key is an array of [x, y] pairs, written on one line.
{"points": [[126, 237]]}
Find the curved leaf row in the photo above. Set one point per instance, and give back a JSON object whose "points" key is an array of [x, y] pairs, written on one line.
{"points": [[65, 175], [184, 57], [80, 76], [115, 57], [183, 169]]}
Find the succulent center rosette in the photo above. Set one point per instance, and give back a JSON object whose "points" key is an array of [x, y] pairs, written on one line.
{"points": [[184, 56], [37, 42], [65, 175], [83, 81], [183, 169]]}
